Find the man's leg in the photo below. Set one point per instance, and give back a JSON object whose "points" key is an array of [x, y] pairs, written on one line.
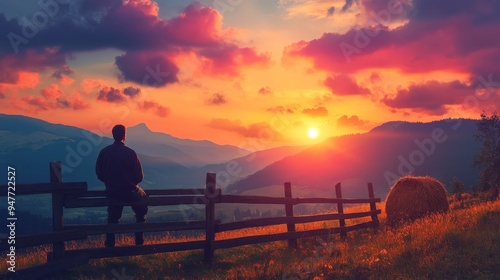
{"points": [[140, 217], [114, 215]]}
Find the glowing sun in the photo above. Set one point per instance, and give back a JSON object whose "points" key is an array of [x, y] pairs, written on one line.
{"points": [[312, 133]]}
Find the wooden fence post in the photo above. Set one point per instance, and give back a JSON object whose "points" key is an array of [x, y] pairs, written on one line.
{"points": [[373, 207], [340, 210], [292, 243], [210, 217], [57, 209]]}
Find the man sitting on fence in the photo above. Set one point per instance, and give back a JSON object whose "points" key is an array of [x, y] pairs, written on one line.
{"points": [[120, 169]]}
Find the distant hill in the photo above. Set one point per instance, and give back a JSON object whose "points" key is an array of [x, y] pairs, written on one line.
{"points": [[184, 151], [29, 144], [442, 149], [239, 168]]}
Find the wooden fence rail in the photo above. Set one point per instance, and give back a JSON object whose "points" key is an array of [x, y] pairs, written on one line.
{"points": [[76, 195]]}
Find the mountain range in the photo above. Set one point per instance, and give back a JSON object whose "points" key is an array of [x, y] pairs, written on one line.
{"points": [[443, 149], [29, 144]]}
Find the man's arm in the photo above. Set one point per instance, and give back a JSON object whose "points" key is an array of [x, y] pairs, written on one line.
{"points": [[138, 174], [99, 167]]}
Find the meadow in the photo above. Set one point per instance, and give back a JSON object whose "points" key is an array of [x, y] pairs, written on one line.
{"points": [[461, 244]]}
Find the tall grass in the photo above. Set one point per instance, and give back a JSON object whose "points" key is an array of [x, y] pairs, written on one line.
{"points": [[462, 244]]}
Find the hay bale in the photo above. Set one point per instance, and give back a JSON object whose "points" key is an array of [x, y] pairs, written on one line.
{"points": [[413, 197]]}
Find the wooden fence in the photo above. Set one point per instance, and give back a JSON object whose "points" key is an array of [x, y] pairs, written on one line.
{"points": [[76, 195]]}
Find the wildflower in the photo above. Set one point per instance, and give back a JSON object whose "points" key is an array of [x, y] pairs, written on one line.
{"points": [[383, 252]]}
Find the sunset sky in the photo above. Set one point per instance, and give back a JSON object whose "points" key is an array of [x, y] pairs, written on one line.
{"points": [[233, 71]]}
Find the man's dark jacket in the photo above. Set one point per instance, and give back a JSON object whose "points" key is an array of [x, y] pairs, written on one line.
{"points": [[120, 169]]}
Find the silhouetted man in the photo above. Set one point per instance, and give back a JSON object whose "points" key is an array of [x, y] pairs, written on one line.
{"points": [[120, 169]]}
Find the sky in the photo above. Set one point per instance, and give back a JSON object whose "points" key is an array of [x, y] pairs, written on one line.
{"points": [[249, 71]]}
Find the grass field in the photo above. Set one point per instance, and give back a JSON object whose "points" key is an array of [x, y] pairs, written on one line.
{"points": [[462, 244]]}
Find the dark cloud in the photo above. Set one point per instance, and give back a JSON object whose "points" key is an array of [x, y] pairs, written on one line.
{"points": [[131, 91], [64, 70], [29, 61], [330, 11], [315, 112], [146, 69], [446, 36], [129, 94], [432, 97], [348, 5], [216, 99], [133, 27], [111, 94], [345, 85]]}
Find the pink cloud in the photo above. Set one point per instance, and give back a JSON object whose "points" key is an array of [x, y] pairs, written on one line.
{"points": [[88, 85], [345, 85], [228, 59], [431, 97], [196, 26], [77, 102], [434, 38], [52, 92], [146, 7]]}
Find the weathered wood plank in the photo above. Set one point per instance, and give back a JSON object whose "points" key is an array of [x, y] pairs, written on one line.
{"points": [[121, 251], [211, 182], [254, 199], [95, 229], [247, 240], [373, 206], [150, 201], [340, 210], [57, 208], [290, 226], [41, 188], [260, 222], [102, 193], [23, 241]]}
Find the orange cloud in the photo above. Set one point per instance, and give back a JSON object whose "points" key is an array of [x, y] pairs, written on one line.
{"points": [[316, 112], [216, 99], [347, 121], [256, 130], [53, 98]]}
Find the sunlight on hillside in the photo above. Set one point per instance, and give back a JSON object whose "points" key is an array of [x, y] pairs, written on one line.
{"points": [[441, 246]]}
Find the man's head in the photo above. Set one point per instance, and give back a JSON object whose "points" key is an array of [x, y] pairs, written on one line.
{"points": [[119, 133]]}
